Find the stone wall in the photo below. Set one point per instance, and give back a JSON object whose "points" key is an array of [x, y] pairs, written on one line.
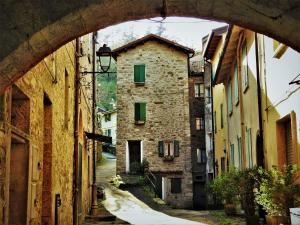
{"points": [[167, 112], [45, 79]]}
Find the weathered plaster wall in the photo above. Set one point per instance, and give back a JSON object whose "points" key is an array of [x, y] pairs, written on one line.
{"points": [[167, 110], [279, 98]]}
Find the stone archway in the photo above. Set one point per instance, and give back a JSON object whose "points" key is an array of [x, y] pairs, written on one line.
{"points": [[30, 30]]}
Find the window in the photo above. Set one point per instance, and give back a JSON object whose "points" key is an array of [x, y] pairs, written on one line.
{"points": [[239, 139], [168, 148], [208, 95], [236, 85], [229, 97], [139, 74], [215, 121], [199, 90], [286, 133], [175, 185], [140, 113], [199, 123], [244, 67], [66, 98], [2, 108], [222, 119], [108, 132], [249, 147], [232, 154], [107, 117], [201, 156]]}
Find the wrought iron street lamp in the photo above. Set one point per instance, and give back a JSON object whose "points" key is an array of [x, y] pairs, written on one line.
{"points": [[104, 53]]}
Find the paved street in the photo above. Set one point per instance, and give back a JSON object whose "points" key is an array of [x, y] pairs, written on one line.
{"points": [[126, 206]]}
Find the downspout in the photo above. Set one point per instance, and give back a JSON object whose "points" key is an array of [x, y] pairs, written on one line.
{"points": [[76, 106], [259, 158], [94, 185]]}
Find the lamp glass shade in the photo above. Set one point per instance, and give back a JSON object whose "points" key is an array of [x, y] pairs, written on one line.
{"points": [[104, 55]]}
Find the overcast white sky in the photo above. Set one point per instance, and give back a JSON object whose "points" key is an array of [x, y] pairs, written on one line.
{"points": [[186, 31]]}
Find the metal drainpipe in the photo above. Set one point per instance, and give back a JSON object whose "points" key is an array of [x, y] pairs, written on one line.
{"points": [[260, 162], [76, 106], [94, 185]]}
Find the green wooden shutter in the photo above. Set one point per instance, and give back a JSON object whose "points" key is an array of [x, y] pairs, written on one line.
{"points": [[139, 73], [222, 119], [176, 148], [142, 111], [161, 150], [137, 111]]}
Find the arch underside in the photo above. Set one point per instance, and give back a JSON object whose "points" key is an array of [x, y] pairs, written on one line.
{"points": [[32, 30]]}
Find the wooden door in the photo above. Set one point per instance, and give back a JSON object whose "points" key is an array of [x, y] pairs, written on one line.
{"points": [[18, 187]]}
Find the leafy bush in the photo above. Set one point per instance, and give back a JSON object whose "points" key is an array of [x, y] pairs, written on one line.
{"points": [[278, 190], [225, 187]]}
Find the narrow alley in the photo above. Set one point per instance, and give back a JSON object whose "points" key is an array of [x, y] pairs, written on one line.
{"points": [[126, 206]]}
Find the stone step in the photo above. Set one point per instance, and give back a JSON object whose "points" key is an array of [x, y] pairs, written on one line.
{"points": [[99, 218]]}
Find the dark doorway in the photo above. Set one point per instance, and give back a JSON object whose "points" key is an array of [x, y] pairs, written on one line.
{"points": [[47, 211], [134, 153], [259, 152], [18, 186], [199, 195]]}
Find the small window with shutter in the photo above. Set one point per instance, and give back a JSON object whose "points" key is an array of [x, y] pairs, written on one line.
{"points": [[175, 185], [139, 74], [161, 149], [176, 148], [140, 112], [168, 149], [244, 66]]}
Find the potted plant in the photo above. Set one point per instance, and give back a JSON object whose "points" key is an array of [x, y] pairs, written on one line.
{"points": [[225, 188], [277, 193], [248, 182]]}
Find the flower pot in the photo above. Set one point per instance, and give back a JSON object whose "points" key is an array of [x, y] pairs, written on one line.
{"points": [[277, 220], [230, 209], [252, 220]]}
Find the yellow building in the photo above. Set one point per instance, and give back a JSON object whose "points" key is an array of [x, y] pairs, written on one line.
{"points": [[37, 139], [259, 100], [280, 66]]}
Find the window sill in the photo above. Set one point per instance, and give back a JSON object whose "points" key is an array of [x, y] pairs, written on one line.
{"points": [[237, 103], [245, 88], [139, 83], [139, 122], [168, 158]]}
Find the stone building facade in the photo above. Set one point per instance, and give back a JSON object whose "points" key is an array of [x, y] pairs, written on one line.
{"points": [[201, 131], [37, 144], [197, 126], [162, 133]]}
